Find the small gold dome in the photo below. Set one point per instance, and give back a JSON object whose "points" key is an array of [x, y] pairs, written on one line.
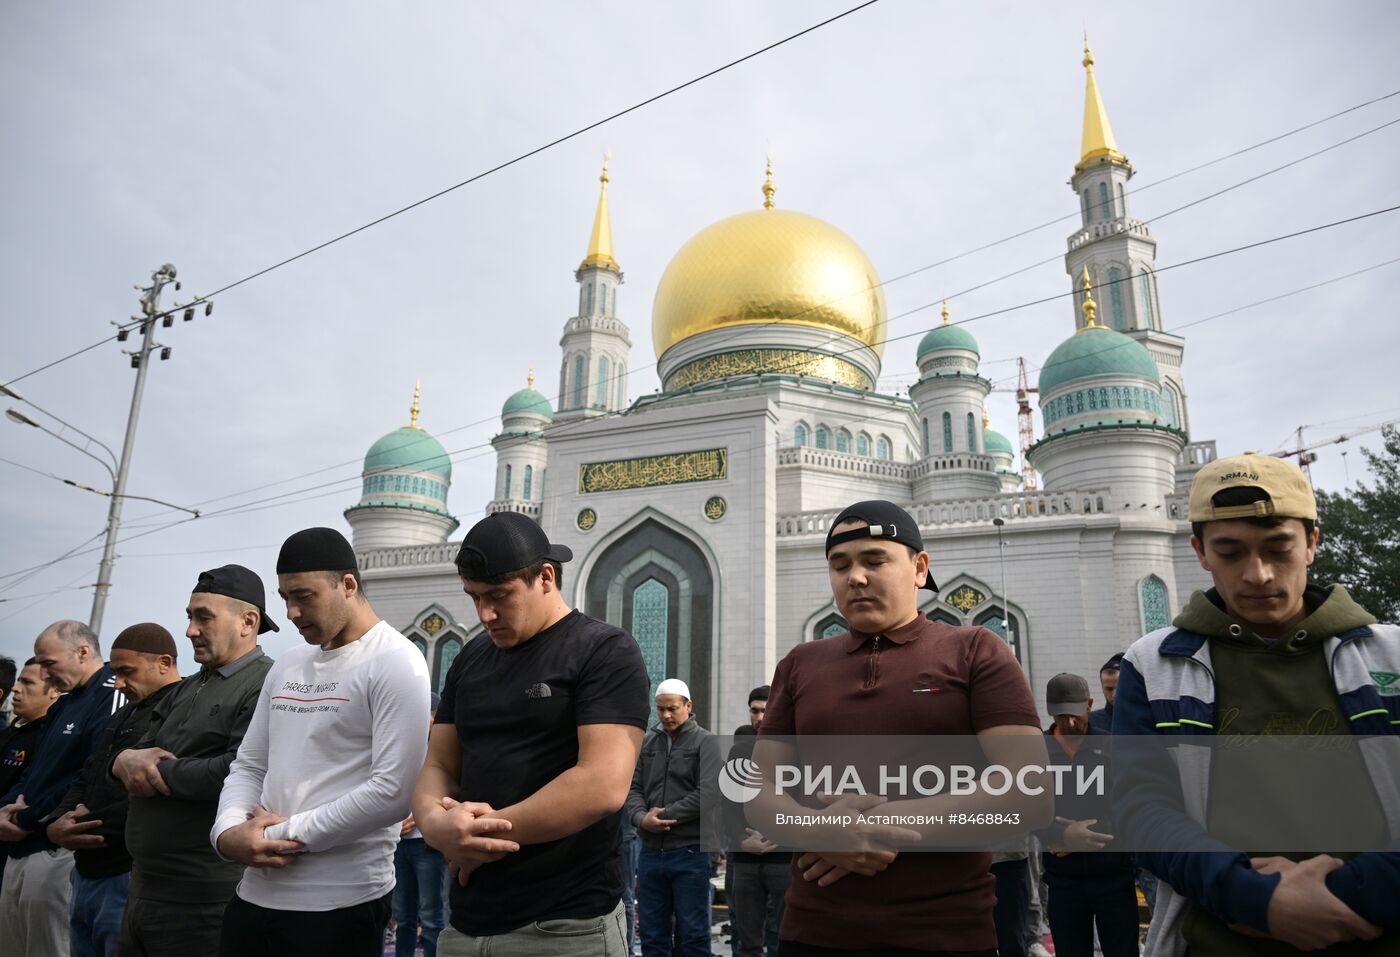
{"points": [[769, 265]]}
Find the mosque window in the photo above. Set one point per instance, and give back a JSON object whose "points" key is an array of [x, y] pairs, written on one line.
{"points": [[926, 436], [947, 432], [1171, 408], [579, 368], [1079, 401], [972, 433], [1153, 599], [1145, 296], [1117, 398], [448, 648], [799, 436], [1103, 398], [829, 627], [602, 299], [1105, 204], [823, 437], [1093, 401], [651, 613], [1087, 217], [506, 492], [1122, 202], [1115, 297], [420, 644], [862, 444], [621, 381], [884, 449], [600, 397], [587, 298], [529, 482], [843, 440]]}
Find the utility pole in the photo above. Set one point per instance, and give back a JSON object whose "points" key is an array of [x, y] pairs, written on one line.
{"points": [[140, 360]]}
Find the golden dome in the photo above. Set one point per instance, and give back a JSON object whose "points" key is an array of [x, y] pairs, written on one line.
{"points": [[766, 266]]}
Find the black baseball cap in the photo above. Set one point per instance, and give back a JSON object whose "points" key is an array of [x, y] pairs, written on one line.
{"points": [[884, 520], [241, 583], [506, 542], [1066, 694]]}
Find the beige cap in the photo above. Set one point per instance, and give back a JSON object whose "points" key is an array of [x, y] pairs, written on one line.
{"points": [[1289, 493]]}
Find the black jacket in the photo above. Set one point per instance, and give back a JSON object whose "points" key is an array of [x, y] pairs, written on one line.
{"points": [[1092, 754], [682, 778], [104, 796], [18, 745]]}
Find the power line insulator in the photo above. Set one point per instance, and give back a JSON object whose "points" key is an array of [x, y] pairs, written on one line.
{"points": [[208, 308], [165, 353], [123, 334], [189, 313], [136, 362], [167, 320]]}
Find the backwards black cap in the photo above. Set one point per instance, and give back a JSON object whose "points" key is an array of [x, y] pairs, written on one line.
{"points": [[238, 582], [884, 520], [316, 550], [505, 542]]}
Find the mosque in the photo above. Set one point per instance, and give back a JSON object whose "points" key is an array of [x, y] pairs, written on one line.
{"points": [[697, 514]]}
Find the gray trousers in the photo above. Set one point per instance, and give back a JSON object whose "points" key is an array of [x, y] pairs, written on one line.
{"points": [[757, 903], [604, 936], [34, 902]]}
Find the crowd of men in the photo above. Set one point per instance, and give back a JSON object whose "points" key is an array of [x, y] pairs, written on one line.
{"points": [[251, 807]]}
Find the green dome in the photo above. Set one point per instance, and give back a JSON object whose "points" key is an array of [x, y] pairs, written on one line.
{"points": [[411, 449], [1096, 351], [528, 400], [994, 441], [948, 336]]}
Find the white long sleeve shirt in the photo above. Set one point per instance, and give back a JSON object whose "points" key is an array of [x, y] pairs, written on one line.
{"points": [[335, 746]]}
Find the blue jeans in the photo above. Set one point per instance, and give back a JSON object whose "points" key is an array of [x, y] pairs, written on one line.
{"points": [[631, 847], [674, 884], [418, 871], [95, 914]]}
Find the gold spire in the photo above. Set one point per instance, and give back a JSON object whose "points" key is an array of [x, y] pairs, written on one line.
{"points": [[600, 252], [530, 379], [413, 409], [1098, 141], [945, 312], [768, 188], [986, 420], [1089, 307]]}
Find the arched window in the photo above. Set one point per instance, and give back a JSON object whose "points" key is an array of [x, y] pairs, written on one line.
{"points": [[1171, 406], [1088, 212], [1115, 297], [926, 436], [621, 374], [447, 651], [843, 440], [1105, 204], [580, 369], [1152, 595], [588, 298], [420, 644], [947, 432], [1145, 297], [883, 448], [506, 492], [1122, 202], [862, 444], [829, 627], [799, 435], [602, 299], [529, 481], [993, 620], [823, 437], [972, 433], [651, 608], [600, 391]]}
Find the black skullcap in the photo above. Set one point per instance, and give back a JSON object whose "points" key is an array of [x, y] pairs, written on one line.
{"points": [[316, 550], [1113, 664], [505, 542], [884, 520], [759, 694], [147, 638], [241, 583]]}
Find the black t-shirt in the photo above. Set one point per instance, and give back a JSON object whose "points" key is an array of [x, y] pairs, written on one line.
{"points": [[517, 712]]}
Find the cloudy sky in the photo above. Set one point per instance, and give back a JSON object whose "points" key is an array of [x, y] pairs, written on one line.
{"points": [[225, 138]]}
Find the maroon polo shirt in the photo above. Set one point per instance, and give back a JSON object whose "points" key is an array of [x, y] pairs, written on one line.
{"points": [[864, 684]]}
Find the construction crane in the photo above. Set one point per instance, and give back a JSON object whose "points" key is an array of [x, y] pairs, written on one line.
{"points": [[1025, 421], [1306, 456]]}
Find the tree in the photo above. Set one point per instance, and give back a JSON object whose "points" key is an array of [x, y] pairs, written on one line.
{"points": [[1360, 547]]}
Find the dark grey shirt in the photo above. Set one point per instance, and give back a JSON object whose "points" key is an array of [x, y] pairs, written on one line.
{"points": [[202, 723]]}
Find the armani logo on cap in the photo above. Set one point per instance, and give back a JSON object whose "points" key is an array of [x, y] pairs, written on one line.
{"points": [[1241, 474]]}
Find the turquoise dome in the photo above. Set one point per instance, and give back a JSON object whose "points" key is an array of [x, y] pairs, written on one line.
{"points": [[1096, 351], [994, 441], [948, 336], [410, 449], [528, 400]]}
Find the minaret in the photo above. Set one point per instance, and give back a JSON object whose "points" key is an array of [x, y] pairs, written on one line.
{"points": [[522, 452], [1119, 251], [595, 344], [951, 398]]}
